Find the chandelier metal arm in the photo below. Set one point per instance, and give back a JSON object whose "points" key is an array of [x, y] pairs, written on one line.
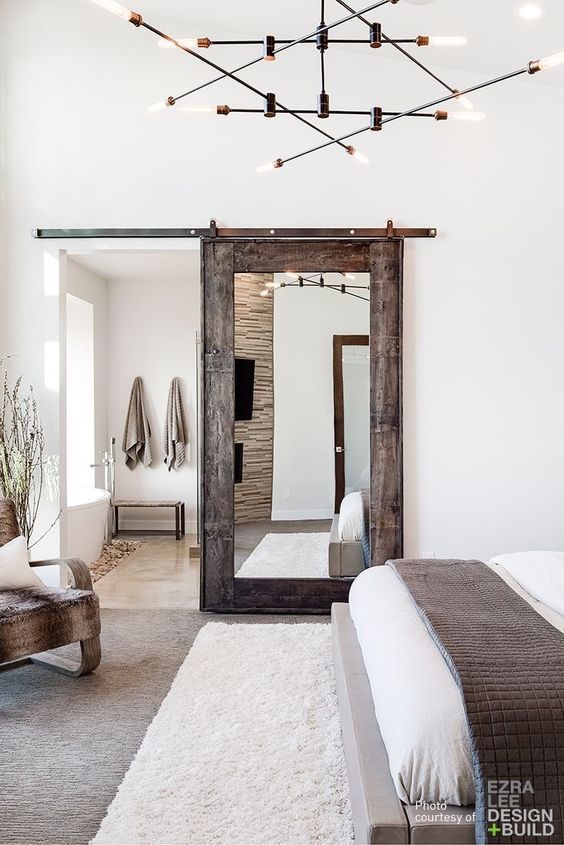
{"points": [[396, 43], [303, 40], [341, 139], [415, 110], [242, 82], [457, 94], [336, 290], [389, 41], [333, 112], [419, 64]]}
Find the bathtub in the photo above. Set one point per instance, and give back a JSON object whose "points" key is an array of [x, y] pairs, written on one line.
{"points": [[87, 518]]}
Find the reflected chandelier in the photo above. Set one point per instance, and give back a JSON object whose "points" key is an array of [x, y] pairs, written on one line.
{"points": [[320, 38]]}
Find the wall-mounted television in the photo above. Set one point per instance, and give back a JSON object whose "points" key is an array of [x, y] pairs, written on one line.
{"points": [[239, 463], [244, 388]]}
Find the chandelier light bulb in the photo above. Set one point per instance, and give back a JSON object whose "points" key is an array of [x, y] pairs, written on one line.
{"points": [[115, 8], [467, 116], [530, 12], [164, 43], [465, 102], [265, 293], [448, 41], [349, 276], [160, 106], [273, 285], [270, 165], [551, 61], [294, 276], [360, 157]]}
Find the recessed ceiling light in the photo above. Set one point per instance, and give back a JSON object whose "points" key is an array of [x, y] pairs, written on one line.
{"points": [[530, 12]]}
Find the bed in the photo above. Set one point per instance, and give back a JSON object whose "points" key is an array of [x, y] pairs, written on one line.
{"points": [[404, 726], [349, 552]]}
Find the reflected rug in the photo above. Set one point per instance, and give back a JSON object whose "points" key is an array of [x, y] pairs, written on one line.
{"points": [[246, 747], [288, 556]]}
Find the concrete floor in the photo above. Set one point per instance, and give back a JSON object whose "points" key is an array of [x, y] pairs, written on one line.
{"points": [[249, 535], [161, 575]]}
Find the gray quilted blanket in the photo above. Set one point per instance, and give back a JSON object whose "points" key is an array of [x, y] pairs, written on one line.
{"points": [[508, 662]]}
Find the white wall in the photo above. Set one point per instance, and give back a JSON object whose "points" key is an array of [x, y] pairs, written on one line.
{"points": [[304, 459], [80, 394], [90, 287], [484, 347], [151, 333]]}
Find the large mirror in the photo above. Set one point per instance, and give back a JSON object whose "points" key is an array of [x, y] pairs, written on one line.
{"points": [[302, 415], [301, 419]]}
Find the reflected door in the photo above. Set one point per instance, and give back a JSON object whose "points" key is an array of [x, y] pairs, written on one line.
{"points": [[351, 390]]}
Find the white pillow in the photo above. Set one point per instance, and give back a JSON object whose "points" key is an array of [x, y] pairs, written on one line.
{"points": [[15, 571], [539, 573], [351, 518]]}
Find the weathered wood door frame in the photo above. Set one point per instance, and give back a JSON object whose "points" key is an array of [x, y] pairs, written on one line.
{"points": [[340, 340], [221, 260]]}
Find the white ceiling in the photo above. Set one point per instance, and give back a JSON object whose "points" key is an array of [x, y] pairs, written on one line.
{"points": [[142, 266], [500, 40]]}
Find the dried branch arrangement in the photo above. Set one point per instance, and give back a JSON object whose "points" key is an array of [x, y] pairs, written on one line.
{"points": [[22, 451]]}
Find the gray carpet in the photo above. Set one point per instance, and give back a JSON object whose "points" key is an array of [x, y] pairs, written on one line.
{"points": [[66, 744]]}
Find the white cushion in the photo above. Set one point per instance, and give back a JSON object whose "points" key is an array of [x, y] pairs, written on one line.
{"points": [[541, 574], [15, 571], [351, 518]]}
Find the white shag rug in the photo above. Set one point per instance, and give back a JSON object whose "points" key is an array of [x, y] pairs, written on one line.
{"points": [[288, 556], [246, 748]]}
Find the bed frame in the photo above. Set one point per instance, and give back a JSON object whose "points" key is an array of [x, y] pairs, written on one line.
{"points": [[379, 816], [346, 559]]}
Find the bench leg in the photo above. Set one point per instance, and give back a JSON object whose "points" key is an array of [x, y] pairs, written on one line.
{"points": [[177, 521], [116, 520], [91, 654], [182, 520]]}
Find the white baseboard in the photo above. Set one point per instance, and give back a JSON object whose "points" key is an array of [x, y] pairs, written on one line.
{"points": [[291, 516], [154, 524]]}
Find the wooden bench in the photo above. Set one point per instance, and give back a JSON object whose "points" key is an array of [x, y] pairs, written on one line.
{"points": [[178, 506]]}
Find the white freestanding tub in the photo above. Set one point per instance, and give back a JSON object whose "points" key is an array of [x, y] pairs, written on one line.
{"points": [[87, 517]]}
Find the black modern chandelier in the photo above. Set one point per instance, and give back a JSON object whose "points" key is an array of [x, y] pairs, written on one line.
{"points": [[317, 280], [322, 38]]}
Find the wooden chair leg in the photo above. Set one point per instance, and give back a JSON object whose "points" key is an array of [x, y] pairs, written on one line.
{"points": [[91, 654]]}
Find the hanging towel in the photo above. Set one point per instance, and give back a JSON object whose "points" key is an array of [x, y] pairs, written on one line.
{"points": [[137, 434], [175, 437]]}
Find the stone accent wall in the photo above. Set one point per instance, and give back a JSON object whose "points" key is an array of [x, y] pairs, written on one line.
{"points": [[254, 338]]}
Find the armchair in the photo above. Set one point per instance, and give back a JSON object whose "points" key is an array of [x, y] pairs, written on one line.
{"points": [[37, 619]]}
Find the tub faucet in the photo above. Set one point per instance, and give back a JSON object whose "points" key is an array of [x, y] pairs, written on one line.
{"points": [[108, 462]]}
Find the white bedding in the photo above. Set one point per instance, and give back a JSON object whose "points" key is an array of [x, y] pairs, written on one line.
{"points": [[417, 703]]}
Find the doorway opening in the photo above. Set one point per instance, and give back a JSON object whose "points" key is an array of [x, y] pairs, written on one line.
{"points": [[127, 315]]}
